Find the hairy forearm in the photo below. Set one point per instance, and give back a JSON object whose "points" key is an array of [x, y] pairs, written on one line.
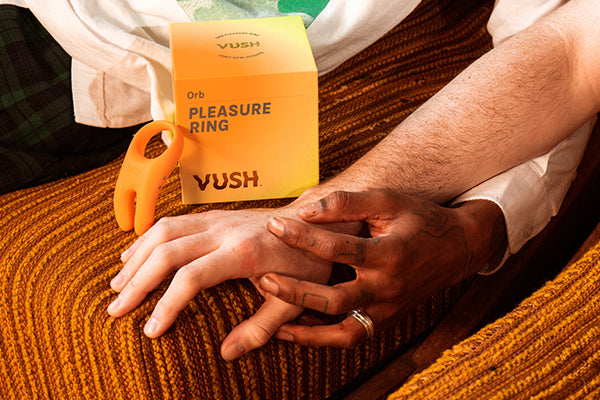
{"points": [[512, 104]]}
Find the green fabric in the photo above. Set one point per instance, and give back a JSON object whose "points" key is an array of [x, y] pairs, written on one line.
{"points": [[310, 7], [203, 10]]}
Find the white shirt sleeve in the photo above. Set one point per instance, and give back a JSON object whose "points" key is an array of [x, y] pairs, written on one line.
{"points": [[529, 194], [18, 3]]}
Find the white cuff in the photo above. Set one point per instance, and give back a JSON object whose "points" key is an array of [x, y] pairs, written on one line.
{"points": [[531, 193]]}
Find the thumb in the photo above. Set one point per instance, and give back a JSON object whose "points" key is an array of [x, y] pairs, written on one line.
{"points": [[341, 206], [259, 328]]}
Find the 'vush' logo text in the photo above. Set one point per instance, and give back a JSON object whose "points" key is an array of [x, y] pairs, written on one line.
{"points": [[232, 180], [239, 45]]}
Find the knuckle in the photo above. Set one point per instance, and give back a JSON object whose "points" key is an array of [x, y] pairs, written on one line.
{"points": [[164, 251], [325, 247], [298, 234], [339, 303], [388, 252], [291, 292], [292, 296], [309, 342], [259, 335], [166, 307], [336, 200], [163, 229], [294, 231], [308, 337], [134, 285], [245, 250], [392, 258], [188, 275], [220, 228], [211, 214], [208, 214]]}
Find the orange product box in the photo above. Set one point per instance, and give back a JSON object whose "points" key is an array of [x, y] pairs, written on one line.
{"points": [[246, 96]]}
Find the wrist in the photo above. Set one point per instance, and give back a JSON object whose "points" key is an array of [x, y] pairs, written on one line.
{"points": [[485, 232]]}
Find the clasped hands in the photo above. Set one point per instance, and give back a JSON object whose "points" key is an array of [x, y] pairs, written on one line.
{"points": [[413, 249]]}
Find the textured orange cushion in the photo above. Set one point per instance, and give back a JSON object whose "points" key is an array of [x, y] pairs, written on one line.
{"points": [[547, 348]]}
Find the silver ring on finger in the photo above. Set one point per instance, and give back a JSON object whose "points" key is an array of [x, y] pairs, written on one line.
{"points": [[365, 321]]}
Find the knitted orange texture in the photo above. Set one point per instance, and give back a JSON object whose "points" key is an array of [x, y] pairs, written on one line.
{"points": [[547, 348], [60, 246]]}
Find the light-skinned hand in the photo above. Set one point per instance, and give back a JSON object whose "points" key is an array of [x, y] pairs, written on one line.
{"points": [[204, 250]]}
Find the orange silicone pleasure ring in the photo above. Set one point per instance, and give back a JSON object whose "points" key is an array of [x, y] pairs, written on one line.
{"points": [[141, 179]]}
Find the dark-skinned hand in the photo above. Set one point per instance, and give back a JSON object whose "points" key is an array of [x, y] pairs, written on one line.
{"points": [[415, 249]]}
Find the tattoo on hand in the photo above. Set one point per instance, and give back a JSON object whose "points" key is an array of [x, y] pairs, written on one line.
{"points": [[324, 301], [436, 221], [434, 217], [358, 253], [310, 241]]}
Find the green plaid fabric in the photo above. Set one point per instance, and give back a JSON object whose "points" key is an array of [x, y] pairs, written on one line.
{"points": [[39, 139]]}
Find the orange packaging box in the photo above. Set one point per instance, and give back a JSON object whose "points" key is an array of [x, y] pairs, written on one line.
{"points": [[246, 96]]}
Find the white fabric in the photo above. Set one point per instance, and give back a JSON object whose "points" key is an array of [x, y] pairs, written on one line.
{"points": [[345, 27], [512, 16], [529, 194], [121, 76]]}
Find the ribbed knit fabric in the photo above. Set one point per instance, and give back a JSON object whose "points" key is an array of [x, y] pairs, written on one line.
{"points": [[547, 348], [60, 246]]}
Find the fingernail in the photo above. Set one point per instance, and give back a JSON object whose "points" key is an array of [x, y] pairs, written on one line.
{"points": [[114, 306], [117, 281], [269, 285], [233, 351], [310, 210], [151, 327], [125, 254], [285, 335], [276, 226]]}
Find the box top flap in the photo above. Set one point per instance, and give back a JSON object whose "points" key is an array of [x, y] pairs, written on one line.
{"points": [[240, 47]]}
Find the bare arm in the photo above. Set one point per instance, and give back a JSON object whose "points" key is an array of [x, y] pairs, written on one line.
{"points": [[512, 104]]}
